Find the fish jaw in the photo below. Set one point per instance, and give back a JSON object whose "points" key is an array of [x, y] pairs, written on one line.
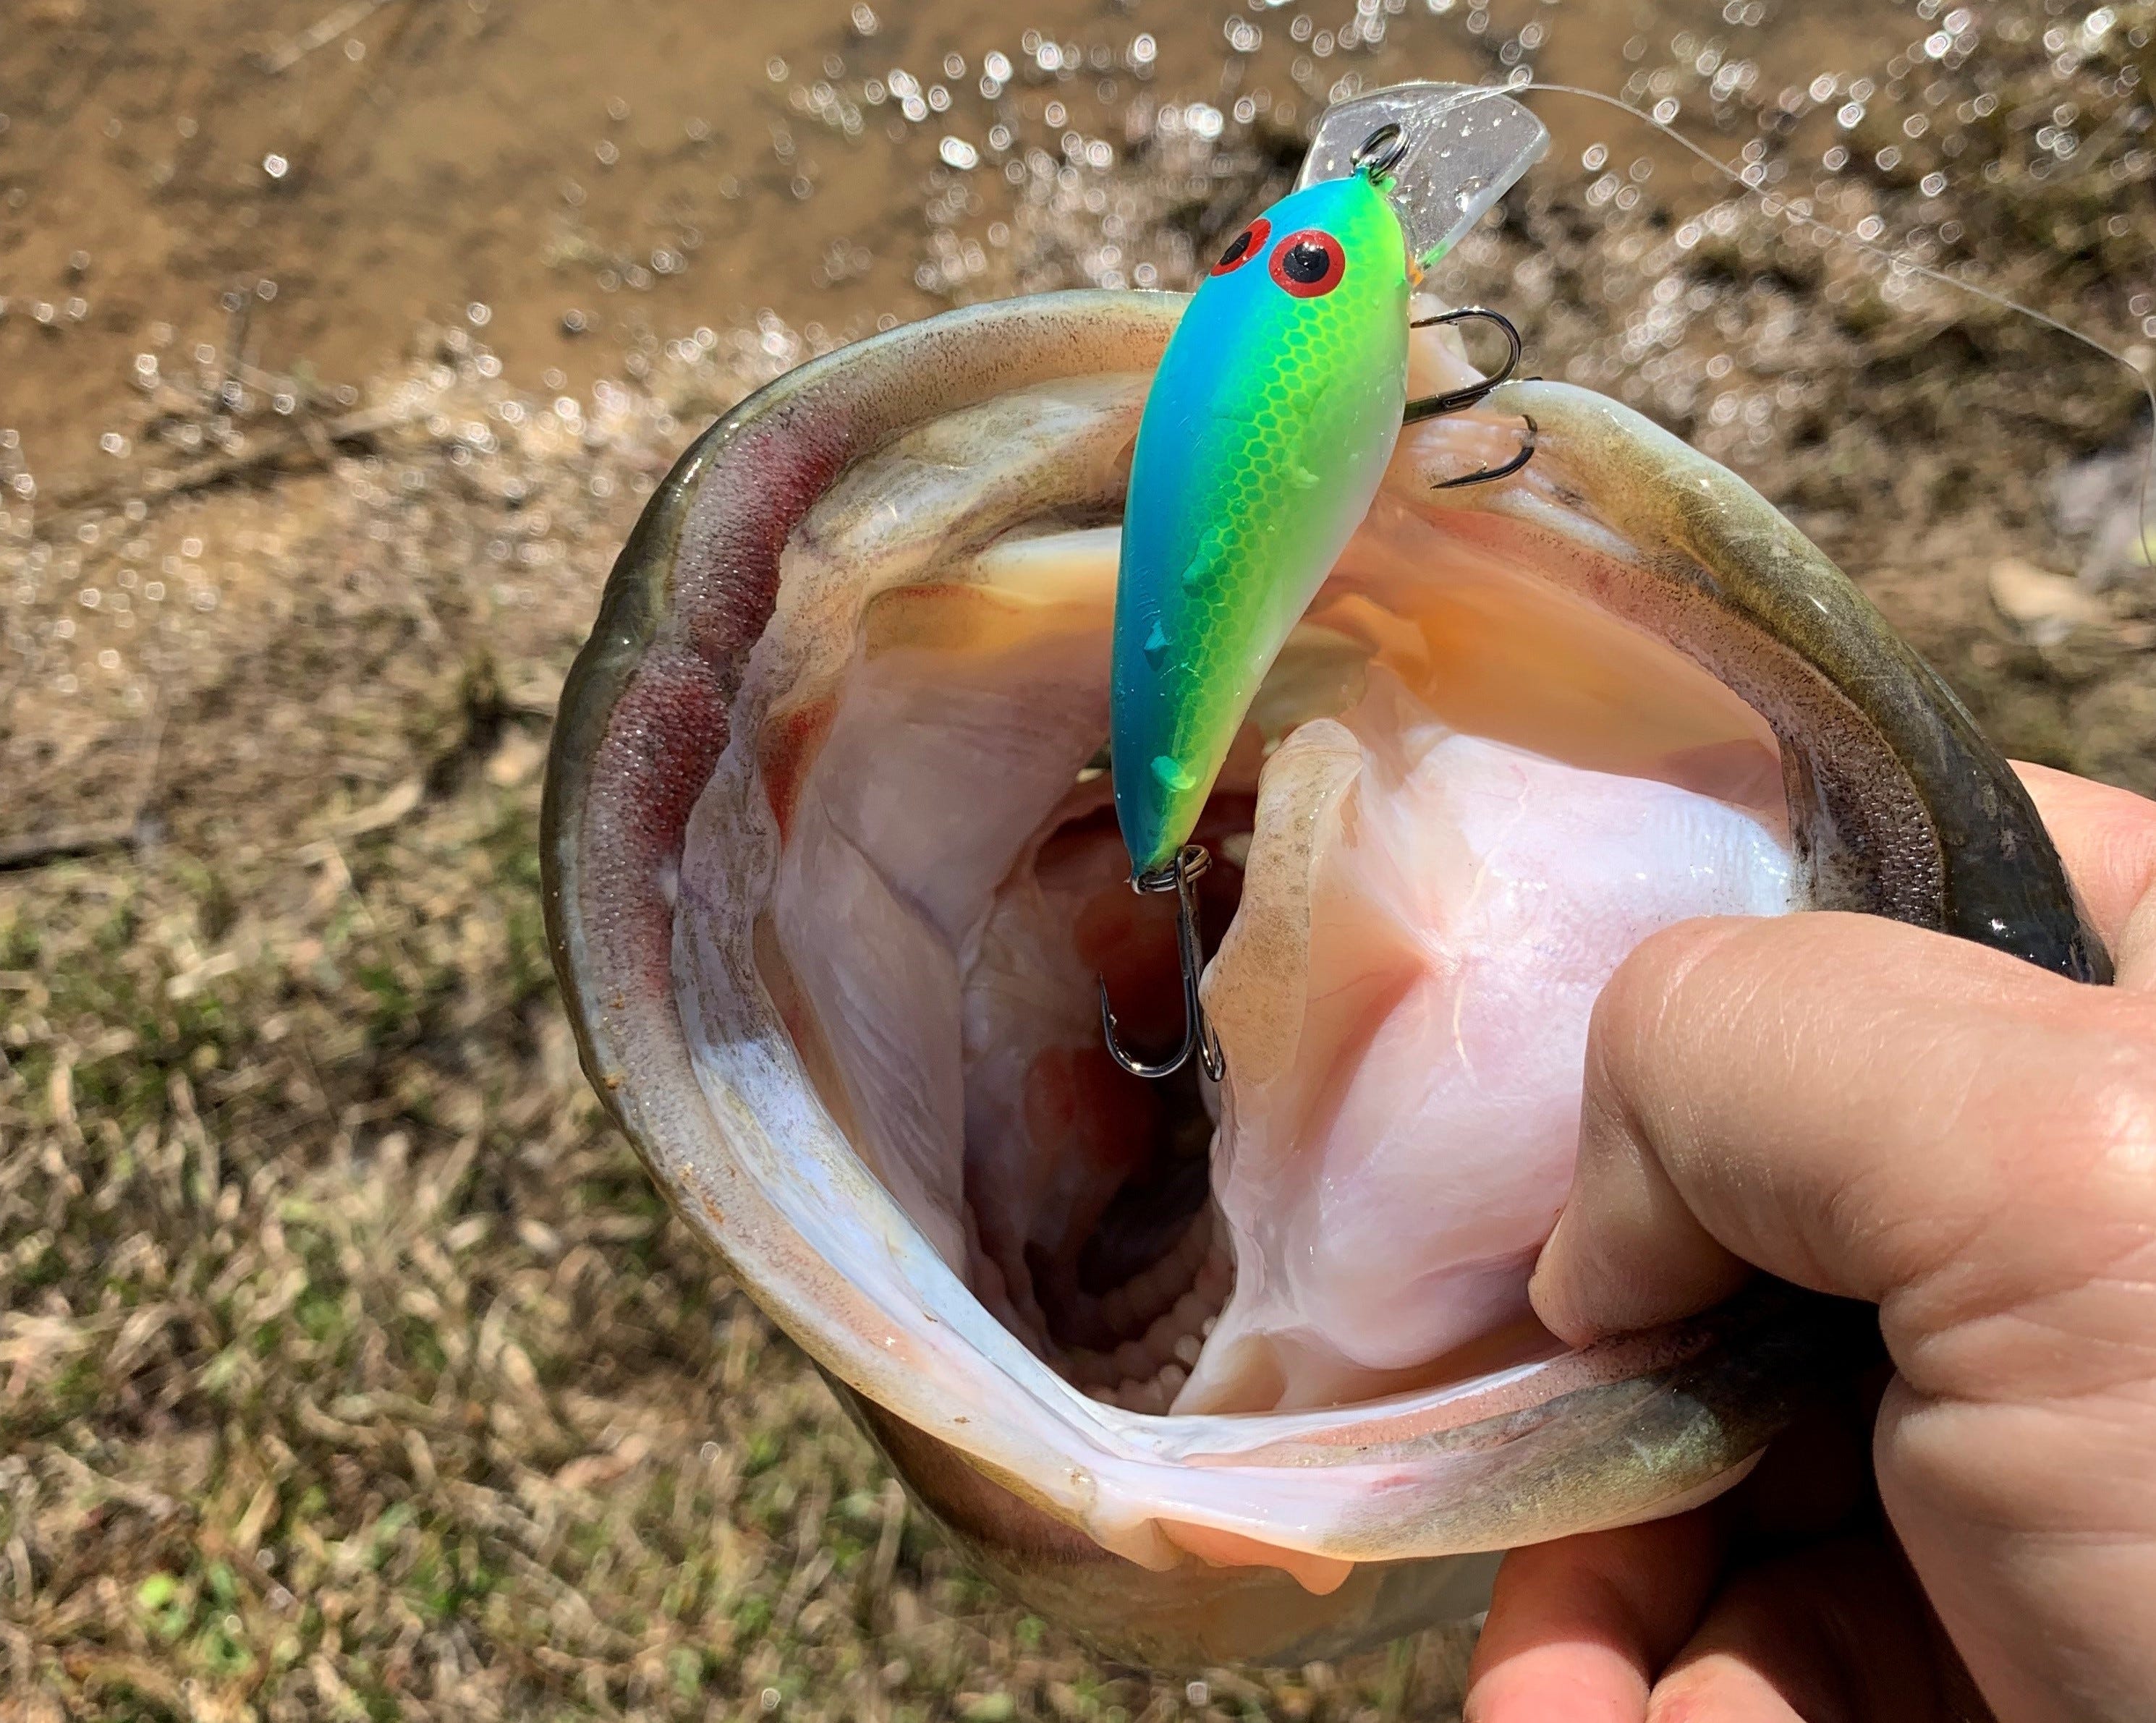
{"points": [[686, 728], [1266, 432]]}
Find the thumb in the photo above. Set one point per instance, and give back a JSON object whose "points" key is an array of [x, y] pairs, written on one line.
{"points": [[1850, 1104]]}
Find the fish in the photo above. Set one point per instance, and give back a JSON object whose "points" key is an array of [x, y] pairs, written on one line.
{"points": [[1240, 1372]]}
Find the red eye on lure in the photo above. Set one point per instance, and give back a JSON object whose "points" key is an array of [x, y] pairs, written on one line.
{"points": [[1247, 244], [1309, 265]]}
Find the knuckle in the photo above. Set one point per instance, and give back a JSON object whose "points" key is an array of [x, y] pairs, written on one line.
{"points": [[2108, 1107], [1655, 976]]}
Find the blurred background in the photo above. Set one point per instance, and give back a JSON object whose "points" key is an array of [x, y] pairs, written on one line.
{"points": [[349, 1366]]}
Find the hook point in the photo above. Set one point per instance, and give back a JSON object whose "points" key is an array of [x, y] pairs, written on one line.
{"points": [[1178, 876], [1488, 475]]}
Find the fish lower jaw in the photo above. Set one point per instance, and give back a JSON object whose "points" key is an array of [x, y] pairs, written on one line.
{"points": [[1133, 1346]]}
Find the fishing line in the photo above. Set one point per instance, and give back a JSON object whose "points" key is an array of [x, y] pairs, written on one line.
{"points": [[1781, 208]]}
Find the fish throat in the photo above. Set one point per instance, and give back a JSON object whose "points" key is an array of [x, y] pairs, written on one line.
{"points": [[1463, 792]]}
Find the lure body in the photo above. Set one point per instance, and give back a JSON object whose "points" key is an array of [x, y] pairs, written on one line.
{"points": [[1269, 424]]}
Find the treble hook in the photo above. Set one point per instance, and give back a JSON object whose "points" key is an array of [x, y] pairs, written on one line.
{"points": [[1459, 400], [1180, 877]]}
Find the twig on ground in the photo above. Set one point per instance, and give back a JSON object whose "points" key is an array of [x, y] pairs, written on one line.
{"points": [[92, 836], [321, 33], [312, 442], [87, 838]]}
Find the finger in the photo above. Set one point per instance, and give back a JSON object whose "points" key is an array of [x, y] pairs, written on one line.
{"points": [[1577, 1628], [2033, 1527], [1627, 1251], [2107, 836], [1856, 1106], [1837, 1633], [1642, 1225]]}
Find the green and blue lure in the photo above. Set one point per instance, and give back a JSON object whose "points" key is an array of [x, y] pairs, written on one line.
{"points": [[1268, 428]]}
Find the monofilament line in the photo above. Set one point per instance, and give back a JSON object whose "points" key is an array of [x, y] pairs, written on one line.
{"points": [[1782, 209]]}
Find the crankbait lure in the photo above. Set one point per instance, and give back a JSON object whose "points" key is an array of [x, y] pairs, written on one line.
{"points": [[1268, 426]]}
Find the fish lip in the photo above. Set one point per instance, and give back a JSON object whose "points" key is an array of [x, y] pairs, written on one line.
{"points": [[652, 624], [2000, 882], [643, 720], [645, 717]]}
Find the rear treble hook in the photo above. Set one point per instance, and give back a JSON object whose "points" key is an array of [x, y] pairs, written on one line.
{"points": [[1180, 876], [1459, 400]]}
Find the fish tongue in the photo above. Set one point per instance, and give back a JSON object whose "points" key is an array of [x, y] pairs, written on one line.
{"points": [[1427, 918]]}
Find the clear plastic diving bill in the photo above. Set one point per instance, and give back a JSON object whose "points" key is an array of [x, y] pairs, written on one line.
{"points": [[1465, 145]]}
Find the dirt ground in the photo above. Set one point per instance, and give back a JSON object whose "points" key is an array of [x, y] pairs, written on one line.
{"points": [[349, 1365]]}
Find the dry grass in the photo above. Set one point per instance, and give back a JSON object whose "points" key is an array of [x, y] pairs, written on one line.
{"points": [[350, 1365]]}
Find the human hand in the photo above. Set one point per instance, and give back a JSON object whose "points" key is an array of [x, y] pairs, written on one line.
{"points": [[1886, 1113]]}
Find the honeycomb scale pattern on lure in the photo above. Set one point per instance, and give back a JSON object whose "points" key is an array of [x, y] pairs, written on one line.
{"points": [[1269, 424]]}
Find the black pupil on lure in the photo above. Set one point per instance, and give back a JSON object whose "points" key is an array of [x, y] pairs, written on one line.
{"points": [[1247, 244], [1306, 262]]}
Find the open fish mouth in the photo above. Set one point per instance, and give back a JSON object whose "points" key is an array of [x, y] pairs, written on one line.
{"points": [[833, 865]]}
